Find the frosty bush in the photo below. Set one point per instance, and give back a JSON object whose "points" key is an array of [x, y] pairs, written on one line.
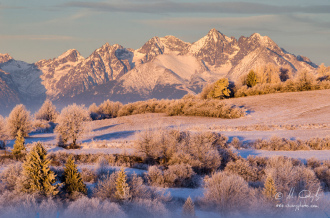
{"points": [[11, 175], [109, 109], [88, 175], [287, 175], [153, 208], [227, 193], [19, 119], [181, 175], [185, 106], [47, 112], [3, 133], [106, 187], [71, 123], [93, 207], [242, 168]]}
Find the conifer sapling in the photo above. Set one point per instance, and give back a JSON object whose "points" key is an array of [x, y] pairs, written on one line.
{"points": [[73, 180], [122, 188], [19, 147], [37, 175], [188, 209]]}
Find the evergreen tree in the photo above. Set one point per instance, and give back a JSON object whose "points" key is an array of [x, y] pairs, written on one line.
{"points": [[37, 175], [73, 181], [220, 89], [251, 79], [188, 209], [19, 144], [122, 188], [270, 189]]}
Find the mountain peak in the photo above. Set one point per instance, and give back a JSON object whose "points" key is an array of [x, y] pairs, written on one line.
{"points": [[71, 55], [5, 57]]}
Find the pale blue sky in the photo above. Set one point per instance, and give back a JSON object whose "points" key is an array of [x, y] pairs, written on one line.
{"points": [[33, 30]]}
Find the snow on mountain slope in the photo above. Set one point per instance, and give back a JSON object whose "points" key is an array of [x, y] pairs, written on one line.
{"points": [[164, 67], [25, 76]]}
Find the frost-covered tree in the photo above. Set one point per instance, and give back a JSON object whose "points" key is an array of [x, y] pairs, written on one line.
{"points": [[188, 209], [122, 188], [3, 133], [220, 89], [71, 123], [109, 108], [19, 147], [269, 189], [19, 119], [47, 112], [73, 181], [251, 79], [36, 172]]}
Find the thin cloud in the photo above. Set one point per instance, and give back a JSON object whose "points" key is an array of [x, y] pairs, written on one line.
{"points": [[282, 23], [37, 37], [197, 7]]}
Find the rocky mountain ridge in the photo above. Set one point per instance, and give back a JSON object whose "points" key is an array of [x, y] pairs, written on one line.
{"points": [[164, 67]]}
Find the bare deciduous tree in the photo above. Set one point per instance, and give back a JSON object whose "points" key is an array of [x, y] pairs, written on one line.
{"points": [[71, 123], [19, 119]]}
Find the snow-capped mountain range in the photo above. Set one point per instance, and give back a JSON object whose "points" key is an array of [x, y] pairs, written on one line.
{"points": [[165, 67]]}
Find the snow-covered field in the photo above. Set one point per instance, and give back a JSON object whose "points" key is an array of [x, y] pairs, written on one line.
{"points": [[308, 112]]}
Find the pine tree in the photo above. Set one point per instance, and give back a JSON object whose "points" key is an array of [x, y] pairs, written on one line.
{"points": [[19, 147], [122, 188], [37, 175], [251, 79], [73, 181], [270, 189], [188, 209]]}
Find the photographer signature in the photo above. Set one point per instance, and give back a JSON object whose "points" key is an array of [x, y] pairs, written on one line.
{"points": [[304, 194]]}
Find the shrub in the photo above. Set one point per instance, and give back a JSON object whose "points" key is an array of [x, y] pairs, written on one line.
{"points": [[242, 168], [88, 175], [236, 143], [19, 119], [93, 207], [3, 133], [71, 123], [11, 175], [109, 109], [155, 176], [287, 175], [106, 187], [184, 106], [227, 193]]}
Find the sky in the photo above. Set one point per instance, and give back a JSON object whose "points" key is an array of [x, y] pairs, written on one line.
{"points": [[34, 30]]}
